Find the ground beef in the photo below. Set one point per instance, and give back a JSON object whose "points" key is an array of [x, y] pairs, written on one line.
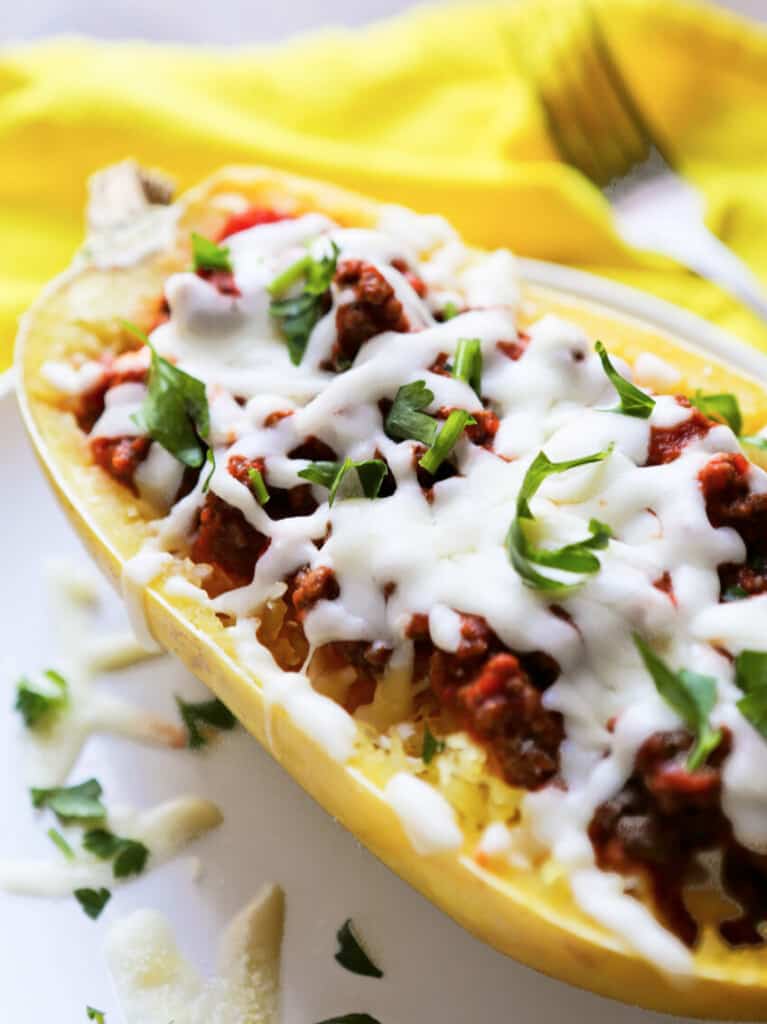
{"points": [[120, 456], [283, 503], [251, 218], [374, 309], [222, 280], [416, 283], [667, 443], [310, 586], [662, 819], [496, 695], [226, 541], [514, 349], [743, 580]]}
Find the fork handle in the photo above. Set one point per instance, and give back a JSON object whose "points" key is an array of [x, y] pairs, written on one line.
{"points": [[670, 221]]}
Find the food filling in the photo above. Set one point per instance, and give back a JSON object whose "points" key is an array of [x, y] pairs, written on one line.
{"points": [[459, 528]]}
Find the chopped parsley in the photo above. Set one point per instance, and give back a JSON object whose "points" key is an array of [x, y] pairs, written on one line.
{"points": [[406, 419], [342, 482], [633, 402], [98, 1015], [351, 1018], [71, 803], [298, 314], [212, 713], [206, 255], [128, 856], [449, 310], [175, 411], [431, 746], [58, 840], [751, 678], [691, 695], [39, 702], [257, 485], [352, 956], [724, 408], [467, 364], [446, 440], [92, 901], [576, 558]]}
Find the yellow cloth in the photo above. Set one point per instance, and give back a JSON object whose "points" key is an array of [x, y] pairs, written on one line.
{"points": [[433, 110]]}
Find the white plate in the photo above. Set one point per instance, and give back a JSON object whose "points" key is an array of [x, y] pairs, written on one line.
{"points": [[51, 959]]}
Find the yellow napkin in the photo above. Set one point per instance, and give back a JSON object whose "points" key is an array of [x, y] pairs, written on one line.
{"points": [[433, 110]]}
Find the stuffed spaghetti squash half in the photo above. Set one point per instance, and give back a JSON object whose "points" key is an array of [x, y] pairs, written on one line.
{"points": [[483, 566]]}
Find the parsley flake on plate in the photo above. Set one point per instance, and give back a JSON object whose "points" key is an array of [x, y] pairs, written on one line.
{"points": [[298, 314], [691, 695], [633, 401], [58, 840], [352, 956], [578, 557], [213, 713], [175, 411], [92, 901], [431, 746], [128, 856], [207, 255], [347, 479], [40, 701], [72, 803], [98, 1015]]}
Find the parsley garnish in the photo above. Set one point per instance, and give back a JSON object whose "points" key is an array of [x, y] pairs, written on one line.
{"points": [[755, 442], [352, 956], [724, 408], [298, 315], [72, 802], [128, 856], [577, 557], [406, 418], [98, 1015], [691, 695], [92, 901], [446, 440], [751, 678], [209, 256], [257, 485], [468, 362], [365, 482], [449, 310], [58, 840], [431, 746], [175, 410], [206, 712], [37, 702], [633, 402], [351, 1018]]}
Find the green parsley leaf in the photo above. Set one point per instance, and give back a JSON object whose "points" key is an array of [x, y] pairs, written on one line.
{"points": [[212, 713], [92, 901], [365, 482], [175, 410], [257, 485], [724, 408], [37, 702], [210, 460], [352, 956], [98, 1015], [633, 402], [58, 840], [297, 315], [468, 362], [206, 255], [576, 557], [128, 856], [351, 1018], [751, 678], [449, 310], [691, 695], [431, 746], [406, 419], [80, 802], [446, 440], [755, 442]]}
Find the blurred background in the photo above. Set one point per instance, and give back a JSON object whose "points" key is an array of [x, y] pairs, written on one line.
{"points": [[222, 21]]}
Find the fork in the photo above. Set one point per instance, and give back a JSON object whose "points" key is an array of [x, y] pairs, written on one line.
{"points": [[598, 128]]}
